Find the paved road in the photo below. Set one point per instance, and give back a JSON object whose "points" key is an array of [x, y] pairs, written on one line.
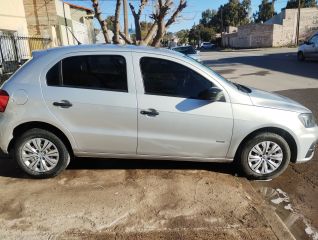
{"points": [[268, 69], [116, 199]]}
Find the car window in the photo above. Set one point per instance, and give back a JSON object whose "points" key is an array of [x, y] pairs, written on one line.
{"points": [[167, 78], [314, 40], [53, 75], [90, 71]]}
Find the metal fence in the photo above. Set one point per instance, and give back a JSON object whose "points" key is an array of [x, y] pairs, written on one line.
{"points": [[15, 50]]}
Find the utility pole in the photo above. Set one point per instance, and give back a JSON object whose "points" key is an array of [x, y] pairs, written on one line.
{"points": [[65, 21], [125, 6], [298, 22]]}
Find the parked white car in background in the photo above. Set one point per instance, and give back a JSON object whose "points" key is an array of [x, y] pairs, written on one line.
{"points": [[309, 49], [207, 46], [136, 102]]}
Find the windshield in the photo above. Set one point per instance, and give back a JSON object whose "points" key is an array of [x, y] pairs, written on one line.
{"points": [[238, 86]]}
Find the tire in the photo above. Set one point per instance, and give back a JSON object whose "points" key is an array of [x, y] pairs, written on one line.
{"points": [[48, 163], [300, 56], [259, 165]]}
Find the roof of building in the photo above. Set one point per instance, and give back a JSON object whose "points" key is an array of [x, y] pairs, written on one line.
{"points": [[79, 7]]}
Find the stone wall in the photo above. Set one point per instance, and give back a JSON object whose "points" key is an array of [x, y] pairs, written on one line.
{"points": [[278, 31], [250, 36]]}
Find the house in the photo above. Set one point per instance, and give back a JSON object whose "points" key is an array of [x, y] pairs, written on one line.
{"points": [[82, 23], [12, 24], [27, 25], [64, 23], [12, 17]]}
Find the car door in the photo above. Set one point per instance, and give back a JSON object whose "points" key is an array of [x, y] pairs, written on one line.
{"points": [[315, 41], [93, 96], [311, 47], [172, 119]]}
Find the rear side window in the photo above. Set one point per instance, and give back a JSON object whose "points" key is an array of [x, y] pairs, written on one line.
{"points": [[53, 75], [92, 72], [167, 78]]}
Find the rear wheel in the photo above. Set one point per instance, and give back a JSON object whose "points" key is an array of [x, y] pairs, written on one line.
{"points": [[300, 56], [265, 156], [41, 154]]}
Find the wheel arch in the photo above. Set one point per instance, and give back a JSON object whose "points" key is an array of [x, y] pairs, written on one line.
{"points": [[20, 129], [285, 134]]}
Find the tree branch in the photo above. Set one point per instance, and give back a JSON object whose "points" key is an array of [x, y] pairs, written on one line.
{"points": [[173, 18], [126, 39]]}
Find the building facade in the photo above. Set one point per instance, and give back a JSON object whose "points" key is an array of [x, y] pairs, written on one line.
{"points": [[12, 17], [64, 23]]}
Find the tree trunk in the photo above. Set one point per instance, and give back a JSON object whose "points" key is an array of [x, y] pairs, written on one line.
{"points": [[102, 22], [136, 16], [125, 6], [160, 33], [149, 36], [116, 38]]}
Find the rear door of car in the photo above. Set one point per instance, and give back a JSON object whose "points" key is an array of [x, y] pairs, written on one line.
{"points": [[93, 96]]}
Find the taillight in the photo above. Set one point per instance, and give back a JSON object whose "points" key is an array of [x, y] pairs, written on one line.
{"points": [[4, 99]]}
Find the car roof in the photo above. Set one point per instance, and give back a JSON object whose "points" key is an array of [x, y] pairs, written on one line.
{"points": [[111, 48]]}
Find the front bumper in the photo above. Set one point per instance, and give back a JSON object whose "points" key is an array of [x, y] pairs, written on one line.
{"points": [[306, 145]]}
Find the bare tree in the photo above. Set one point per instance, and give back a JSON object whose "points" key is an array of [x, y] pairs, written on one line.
{"points": [[157, 29], [163, 9], [102, 22]]}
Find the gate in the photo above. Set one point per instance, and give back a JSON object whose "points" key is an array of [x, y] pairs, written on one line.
{"points": [[15, 50]]}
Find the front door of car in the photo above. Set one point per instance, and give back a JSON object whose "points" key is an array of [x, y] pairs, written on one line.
{"points": [[174, 117], [93, 97], [311, 48]]}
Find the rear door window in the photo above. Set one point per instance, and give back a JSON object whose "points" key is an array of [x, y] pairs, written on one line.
{"points": [[102, 72]]}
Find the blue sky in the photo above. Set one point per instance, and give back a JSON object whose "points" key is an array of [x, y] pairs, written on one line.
{"points": [[190, 15]]}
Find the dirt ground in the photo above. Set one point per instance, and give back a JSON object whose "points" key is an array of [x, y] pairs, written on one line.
{"points": [[108, 199]]}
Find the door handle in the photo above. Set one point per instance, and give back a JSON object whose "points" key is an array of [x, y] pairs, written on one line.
{"points": [[63, 104], [150, 112]]}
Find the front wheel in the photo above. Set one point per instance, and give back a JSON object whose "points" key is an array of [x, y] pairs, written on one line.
{"points": [[265, 156], [41, 154]]}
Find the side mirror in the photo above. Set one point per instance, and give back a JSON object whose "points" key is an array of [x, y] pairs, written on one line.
{"points": [[308, 43], [211, 94]]}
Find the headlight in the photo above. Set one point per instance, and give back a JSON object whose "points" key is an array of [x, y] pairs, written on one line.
{"points": [[307, 119]]}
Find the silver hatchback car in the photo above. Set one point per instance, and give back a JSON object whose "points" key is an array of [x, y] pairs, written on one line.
{"points": [[136, 102]]}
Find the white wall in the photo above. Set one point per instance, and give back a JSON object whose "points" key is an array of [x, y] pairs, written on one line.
{"points": [[81, 32], [12, 16]]}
